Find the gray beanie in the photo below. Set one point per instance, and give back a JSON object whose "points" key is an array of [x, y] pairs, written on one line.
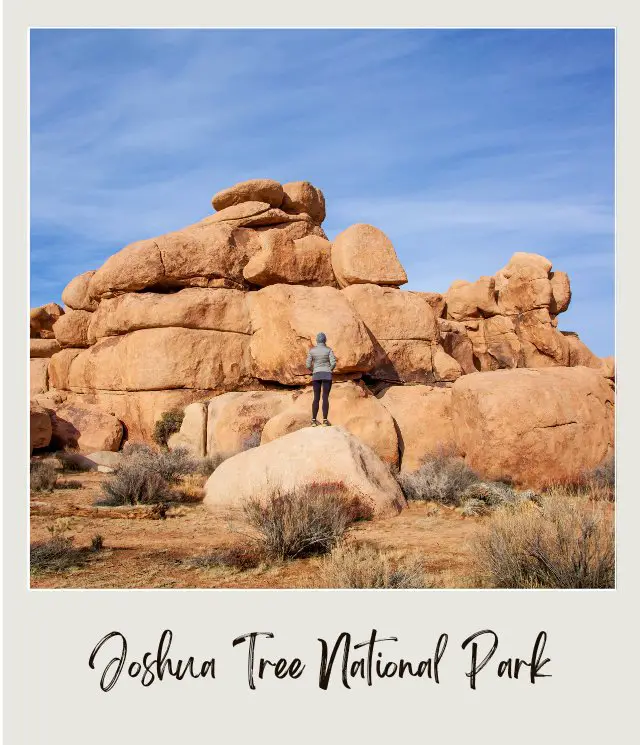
{"points": [[321, 338]]}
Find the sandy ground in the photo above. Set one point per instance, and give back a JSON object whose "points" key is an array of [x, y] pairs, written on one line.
{"points": [[143, 552]]}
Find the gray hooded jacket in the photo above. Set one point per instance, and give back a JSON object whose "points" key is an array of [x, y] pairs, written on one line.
{"points": [[321, 361]]}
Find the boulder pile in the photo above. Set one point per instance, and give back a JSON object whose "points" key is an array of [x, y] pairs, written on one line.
{"points": [[217, 318]]}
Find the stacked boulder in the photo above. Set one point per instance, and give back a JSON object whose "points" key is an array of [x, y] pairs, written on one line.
{"points": [[511, 319], [217, 319]]}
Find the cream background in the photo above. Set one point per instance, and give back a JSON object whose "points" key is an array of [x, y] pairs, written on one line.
{"points": [[51, 695]]}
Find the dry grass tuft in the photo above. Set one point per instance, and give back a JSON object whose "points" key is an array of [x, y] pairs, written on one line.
{"points": [[313, 520], [563, 541], [360, 566], [441, 478], [43, 476], [240, 558]]}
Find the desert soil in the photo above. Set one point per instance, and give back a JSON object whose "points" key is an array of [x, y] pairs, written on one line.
{"points": [[143, 552]]}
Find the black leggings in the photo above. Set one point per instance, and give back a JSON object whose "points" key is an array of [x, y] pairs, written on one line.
{"points": [[326, 387]]}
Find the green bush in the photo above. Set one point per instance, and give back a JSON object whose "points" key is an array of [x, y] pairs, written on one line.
{"points": [[168, 424]]}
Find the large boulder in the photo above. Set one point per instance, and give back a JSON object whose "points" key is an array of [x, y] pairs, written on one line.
{"points": [[285, 320], [85, 428], [471, 299], [542, 344], [352, 407], [76, 294], [560, 291], [255, 190], [71, 329], [422, 414], [38, 376], [533, 426], [41, 320], [303, 197], [216, 309], [317, 456], [306, 261], [162, 358], [392, 314], [192, 435], [43, 347], [406, 334], [364, 254], [59, 367], [495, 342], [235, 421], [39, 426], [206, 254], [138, 410], [524, 289], [457, 344]]}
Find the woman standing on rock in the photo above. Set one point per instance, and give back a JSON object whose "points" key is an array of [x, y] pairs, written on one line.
{"points": [[321, 361]]}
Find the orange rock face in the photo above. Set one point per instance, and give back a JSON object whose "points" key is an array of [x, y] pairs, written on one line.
{"points": [[423, 416], [285, 320], [363, 254], [306, 261], [85, 428], [533, 426], [218, 317], [255, 190], [39, 426]]}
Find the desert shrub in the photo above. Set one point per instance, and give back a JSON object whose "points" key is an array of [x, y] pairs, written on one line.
{"points": [[168, 424], [311, 520], [73, 461], [472, 507], [134, 483], [133, 448], [562, 542], [441, 478], [191, 488], [42, 476], [483, 496], [172, 464], [208, 464], [605, 473], [97, 543], [56, 555], [169, 464], [69, 485], [361, 566], [237, 557]]}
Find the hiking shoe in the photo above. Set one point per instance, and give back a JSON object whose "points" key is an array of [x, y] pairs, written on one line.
{"points": [[325, 423], [314, 422]]}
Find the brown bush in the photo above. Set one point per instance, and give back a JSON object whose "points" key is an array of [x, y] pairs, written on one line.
{"points": [[561, 542], [42, 476], [361, 566], [441, 478], [56, 555], [240, 558], [311, 520], [134, 483]]}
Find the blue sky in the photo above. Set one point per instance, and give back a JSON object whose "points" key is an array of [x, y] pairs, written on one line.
{"points": [[463, 146]]}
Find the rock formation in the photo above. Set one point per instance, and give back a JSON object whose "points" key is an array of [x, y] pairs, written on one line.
{"points": [[218, 316]]}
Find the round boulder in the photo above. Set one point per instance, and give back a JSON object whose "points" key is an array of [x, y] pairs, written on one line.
{"points": [[322, 456]]}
